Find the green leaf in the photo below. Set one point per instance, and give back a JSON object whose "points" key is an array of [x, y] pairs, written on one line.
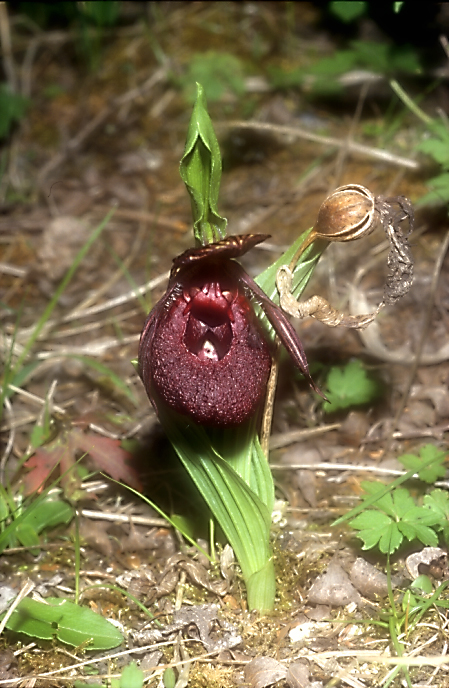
{"points": [[394, 516], [132, 676], [348, 11], [243, 517], [28, 537], [67, 621], [51, 512], [438, 503], [200, 171], [372, 526], [12, 106], [376, 491], [431, 473], [301, 274], [439, 191], [349, 386], [217, 72], [422, 583]]}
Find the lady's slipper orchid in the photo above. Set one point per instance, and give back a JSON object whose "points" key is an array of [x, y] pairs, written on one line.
{"points": [[203, 351]]}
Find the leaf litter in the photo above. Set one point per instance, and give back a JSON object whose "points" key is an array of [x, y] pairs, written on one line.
{"points": [[85, 190]]}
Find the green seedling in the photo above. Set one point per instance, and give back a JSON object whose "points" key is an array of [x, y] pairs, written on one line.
{"points": [[322, 76], [217, 72], [349, 386], [131, 677], [388, 514], [13, 107], [22, 525], [394, 517], [59, 618], [431, 472], [435, 145]]}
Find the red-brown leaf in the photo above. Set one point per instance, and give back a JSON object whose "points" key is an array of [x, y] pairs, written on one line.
{"points": [[107, 455]]}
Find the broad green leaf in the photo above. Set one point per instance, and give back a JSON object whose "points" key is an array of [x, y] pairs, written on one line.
{"points": [[243, 517], [390, 540], [422, 583], [348, 11], [28, 537], [200, 171], [379, 491], [51, 512], [67, 621], [439, 191], [427, 453], [132, 677], [349, 386], [217, 72], [438, 503]]}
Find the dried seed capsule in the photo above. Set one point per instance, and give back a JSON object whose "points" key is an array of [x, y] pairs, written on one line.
{"points": [[347, 214]]}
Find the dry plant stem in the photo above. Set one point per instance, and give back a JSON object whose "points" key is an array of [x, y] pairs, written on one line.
{"points": [[316, 306], [269, 402], [5, 39], [285, 438], [76, 141], [445, 44], [343, 467], [424, 333], [78, 313], [125, 518], [368, 151], [118, 274], [343, 153], [26, 589], [144, 216]]}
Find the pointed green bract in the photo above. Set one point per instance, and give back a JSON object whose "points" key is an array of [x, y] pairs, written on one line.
{"points": [[200, 171]]}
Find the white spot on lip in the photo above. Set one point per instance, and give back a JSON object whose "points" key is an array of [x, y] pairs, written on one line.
{"points": [[208, 351]]}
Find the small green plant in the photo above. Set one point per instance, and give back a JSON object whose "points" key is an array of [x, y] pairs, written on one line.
{"points": [[349, 386], [59, 618], [13, 107], [388, 515], [435, 145], [23, 524], [217, 72], [321, 78], [131, 677], [392, 516]]}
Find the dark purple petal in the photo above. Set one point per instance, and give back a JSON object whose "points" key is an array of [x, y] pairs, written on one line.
{"points": [[203, 352], [231, 247], [283, 328]]}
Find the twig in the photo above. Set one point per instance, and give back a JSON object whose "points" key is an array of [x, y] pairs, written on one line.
{"points": [[269, 402], [26, 589], [424, 332], [5, 39], [283, 439], [370, 152], [76, 141], [125, 518]]}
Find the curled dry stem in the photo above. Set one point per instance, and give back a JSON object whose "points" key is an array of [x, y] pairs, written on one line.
{"points": [[352, 212]]}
